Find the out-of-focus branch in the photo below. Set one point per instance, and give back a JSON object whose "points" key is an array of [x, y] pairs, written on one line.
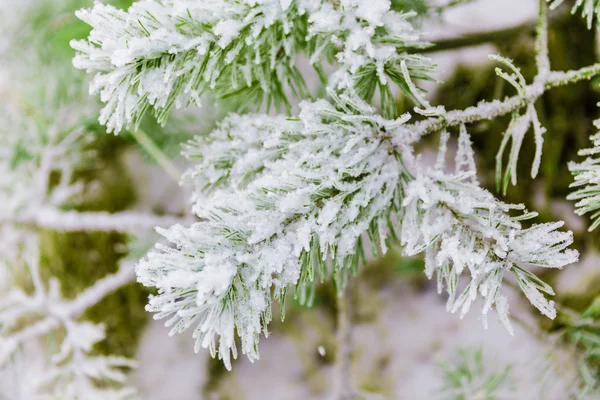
{"points": [[70, 221], [541, 43], [342, 389], [488, 36], [59, 312]]}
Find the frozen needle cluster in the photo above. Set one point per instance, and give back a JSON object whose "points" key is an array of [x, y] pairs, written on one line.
{"points": [[284, 197], [464, 229], [587, 181], [161, 53], [284, 201]]}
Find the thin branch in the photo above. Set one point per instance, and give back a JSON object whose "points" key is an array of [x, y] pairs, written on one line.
{"points": [[73, 221], [541, 43], [489, 110], [99, 290], [156, 153], [60, 312], [480, 38], [342, 389], [501, 35]]}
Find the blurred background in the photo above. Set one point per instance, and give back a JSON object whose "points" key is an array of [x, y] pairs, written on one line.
{"points": [[406, 346]]}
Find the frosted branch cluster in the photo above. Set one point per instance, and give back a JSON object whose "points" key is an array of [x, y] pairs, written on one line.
{"points": [[464, 228], [587, 181], [74, 372], [164, 53], [285, 196], [283, 201], [286, 201]]}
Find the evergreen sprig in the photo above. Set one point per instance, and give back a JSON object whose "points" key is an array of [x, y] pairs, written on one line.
{"points": [[590, 9], [587, 182], [162, 53], [290, 201], [463, 228]]}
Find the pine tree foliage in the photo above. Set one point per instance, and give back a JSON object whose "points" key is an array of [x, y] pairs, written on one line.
{"points": [[162, 53], [285, 197], [461, 227], [519, 125], [283, 202], [53, 143], [590, 9], [74, 372], [587, 182], [582, 330]]}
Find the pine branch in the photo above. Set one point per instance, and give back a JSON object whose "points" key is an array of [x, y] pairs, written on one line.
{"points": [[158, 55], [491, 110]]}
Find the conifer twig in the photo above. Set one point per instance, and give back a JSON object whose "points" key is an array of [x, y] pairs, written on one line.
{"points": [[541, 43], [488, 110]]}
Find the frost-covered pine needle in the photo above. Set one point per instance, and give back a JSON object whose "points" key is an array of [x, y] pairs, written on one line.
{"points": [[587, 181], [287, 201], [162, 53]]}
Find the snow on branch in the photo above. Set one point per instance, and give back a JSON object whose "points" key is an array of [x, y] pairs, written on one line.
{"points": [[73, 372], [587, 181], [290, 203], [489, 110], [70, 221], [463, 228], [289, 200], [162, 53], [19, 305]]}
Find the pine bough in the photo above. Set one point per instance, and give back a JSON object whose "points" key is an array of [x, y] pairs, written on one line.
{"points": [[287, 201], [284, 202]]}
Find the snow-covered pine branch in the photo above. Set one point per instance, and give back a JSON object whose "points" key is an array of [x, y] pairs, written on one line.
{"points": [[289, 200], [463, 228], [587, 181], [74, 372], [162, 53], [49, 217], [55, 142]]}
